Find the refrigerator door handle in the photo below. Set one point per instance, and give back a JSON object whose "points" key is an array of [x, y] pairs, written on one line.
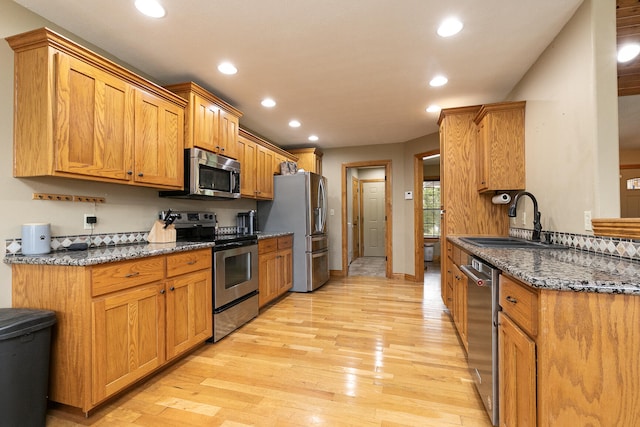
{"points": [[322, 203]]}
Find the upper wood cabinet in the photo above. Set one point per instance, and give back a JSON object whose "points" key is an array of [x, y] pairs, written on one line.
{"points": [[501, 147], [79, 115], [259, 161], [309, 159], [211, 123]]}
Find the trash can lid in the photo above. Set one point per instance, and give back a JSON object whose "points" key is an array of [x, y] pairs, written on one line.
{"points": [[16, 322]]}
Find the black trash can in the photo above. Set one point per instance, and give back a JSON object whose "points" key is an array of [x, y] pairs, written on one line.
{"points": [[25, 342]]}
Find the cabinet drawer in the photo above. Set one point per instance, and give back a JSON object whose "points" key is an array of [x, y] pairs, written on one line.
{"points": [[186, 262], [520, 303], [285, 242], [267, 245], [126, 274]]}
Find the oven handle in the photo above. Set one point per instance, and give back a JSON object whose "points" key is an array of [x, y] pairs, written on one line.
{"points": [[479, 278]]}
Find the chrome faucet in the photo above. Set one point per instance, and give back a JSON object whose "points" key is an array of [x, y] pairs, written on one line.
{"points": [[537, 226]]}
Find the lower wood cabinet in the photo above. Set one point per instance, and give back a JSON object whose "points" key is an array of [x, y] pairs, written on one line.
{"points": [[567, 357], [118, 322], [275, 267]]}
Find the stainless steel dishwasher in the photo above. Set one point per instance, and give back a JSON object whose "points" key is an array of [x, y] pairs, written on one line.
{"points": [[482, 331]]}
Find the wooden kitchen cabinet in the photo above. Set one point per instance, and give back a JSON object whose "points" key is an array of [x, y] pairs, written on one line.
{"points": [[500, 148], [79, 115], [459, 312], [309, 159], [567, 358], [465, 211], [275, 268], [211, 123], [259, 161], [117, 322]]}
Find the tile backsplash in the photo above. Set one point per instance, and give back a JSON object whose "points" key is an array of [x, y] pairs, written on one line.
{"points": [[14, 246], [612, 246]]}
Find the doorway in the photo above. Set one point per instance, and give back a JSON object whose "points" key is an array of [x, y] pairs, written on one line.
{"points": [[356, 178], [426, 166]]}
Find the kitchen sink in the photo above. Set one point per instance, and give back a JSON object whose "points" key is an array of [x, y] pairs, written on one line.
{"points": [[508, 242]]}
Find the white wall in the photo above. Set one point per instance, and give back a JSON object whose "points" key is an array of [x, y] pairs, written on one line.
{"points": [[401, 156], [571, 122], [126, 209]]}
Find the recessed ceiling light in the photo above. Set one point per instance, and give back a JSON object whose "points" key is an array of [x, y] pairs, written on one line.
{"points": [[151, 8], [438, 81], [449, 27], [268, 102], [433, 108], [628, 52], [294, 124], [227, 68], [313, 138]]}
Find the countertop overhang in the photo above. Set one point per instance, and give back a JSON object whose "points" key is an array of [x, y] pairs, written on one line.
{"points": [[562, 269]]}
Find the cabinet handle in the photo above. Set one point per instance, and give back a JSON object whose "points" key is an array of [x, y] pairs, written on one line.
{"points": [[162, 291], [191, 262], [134, 274], [140, 174], [129, 172], [511, 299], [173, 288]]}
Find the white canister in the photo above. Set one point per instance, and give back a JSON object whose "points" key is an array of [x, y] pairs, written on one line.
{"points": [[36, 238]]}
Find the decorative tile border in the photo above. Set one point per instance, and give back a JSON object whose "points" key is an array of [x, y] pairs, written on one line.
{"points": [[58, 243], [612, 246]]}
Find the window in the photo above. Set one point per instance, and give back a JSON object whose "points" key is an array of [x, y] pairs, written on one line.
{"points": [[431, 208], [633, 184]]}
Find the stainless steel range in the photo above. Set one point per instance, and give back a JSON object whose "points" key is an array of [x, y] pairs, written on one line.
{"points": [[235, 268]]}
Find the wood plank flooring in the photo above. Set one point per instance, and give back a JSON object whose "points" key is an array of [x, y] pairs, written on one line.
{"points": [[356, 352]]}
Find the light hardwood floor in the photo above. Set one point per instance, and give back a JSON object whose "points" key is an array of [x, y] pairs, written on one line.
{"points": [[356, 352]]}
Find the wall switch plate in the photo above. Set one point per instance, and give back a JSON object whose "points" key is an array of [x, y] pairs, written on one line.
{"points": [[408, 195], [587, 221]]}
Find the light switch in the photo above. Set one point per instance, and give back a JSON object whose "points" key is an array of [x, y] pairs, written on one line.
{"points": [[408, 195], [331, 212]]}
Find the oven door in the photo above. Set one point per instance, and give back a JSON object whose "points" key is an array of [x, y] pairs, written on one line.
{"points": [[235, 274]]}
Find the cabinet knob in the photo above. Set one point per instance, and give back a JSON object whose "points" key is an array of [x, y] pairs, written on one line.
{"points": [[173, 288], [140, 174], [511, 299], [162, 291], [129, 172]]}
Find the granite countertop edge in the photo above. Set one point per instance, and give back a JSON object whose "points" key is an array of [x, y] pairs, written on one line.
{"points": [[105, 254], [562, 269], [268, 235]]}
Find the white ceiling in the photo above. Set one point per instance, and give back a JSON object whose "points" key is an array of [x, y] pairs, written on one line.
{"points": [[354, 72]]}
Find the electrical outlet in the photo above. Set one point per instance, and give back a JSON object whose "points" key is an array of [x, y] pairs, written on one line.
{"points": [[524, 217], [90, 221], [587, 221]]}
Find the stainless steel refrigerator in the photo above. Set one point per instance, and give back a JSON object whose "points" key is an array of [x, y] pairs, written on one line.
{"points": [[300, 206]]}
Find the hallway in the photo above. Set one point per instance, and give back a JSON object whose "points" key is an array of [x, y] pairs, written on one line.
{"points": [[356, 352]]}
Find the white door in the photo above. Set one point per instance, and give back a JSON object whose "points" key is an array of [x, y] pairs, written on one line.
{"points": [[373, 218]]}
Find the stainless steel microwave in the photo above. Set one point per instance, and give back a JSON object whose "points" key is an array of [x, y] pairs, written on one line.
{"points": [[208, 176]]}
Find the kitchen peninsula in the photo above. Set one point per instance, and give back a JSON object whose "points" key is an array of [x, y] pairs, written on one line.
{"points": [[569, 333]]}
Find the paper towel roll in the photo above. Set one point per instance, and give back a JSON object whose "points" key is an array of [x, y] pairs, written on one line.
{"points": [[501, 199]]}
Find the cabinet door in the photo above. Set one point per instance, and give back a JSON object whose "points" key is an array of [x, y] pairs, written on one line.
{"points": [[94, 118], [228, 134], [159, 141], [285, 271], [517, 377], [206, 124], [189, 312], [483, 155], [264, 184], [247, 155], [267, 277], [461, 306], [128, 338]]}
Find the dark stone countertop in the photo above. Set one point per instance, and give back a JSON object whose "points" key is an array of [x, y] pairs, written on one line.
{"points": [[562, 269], [105, 254]]}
